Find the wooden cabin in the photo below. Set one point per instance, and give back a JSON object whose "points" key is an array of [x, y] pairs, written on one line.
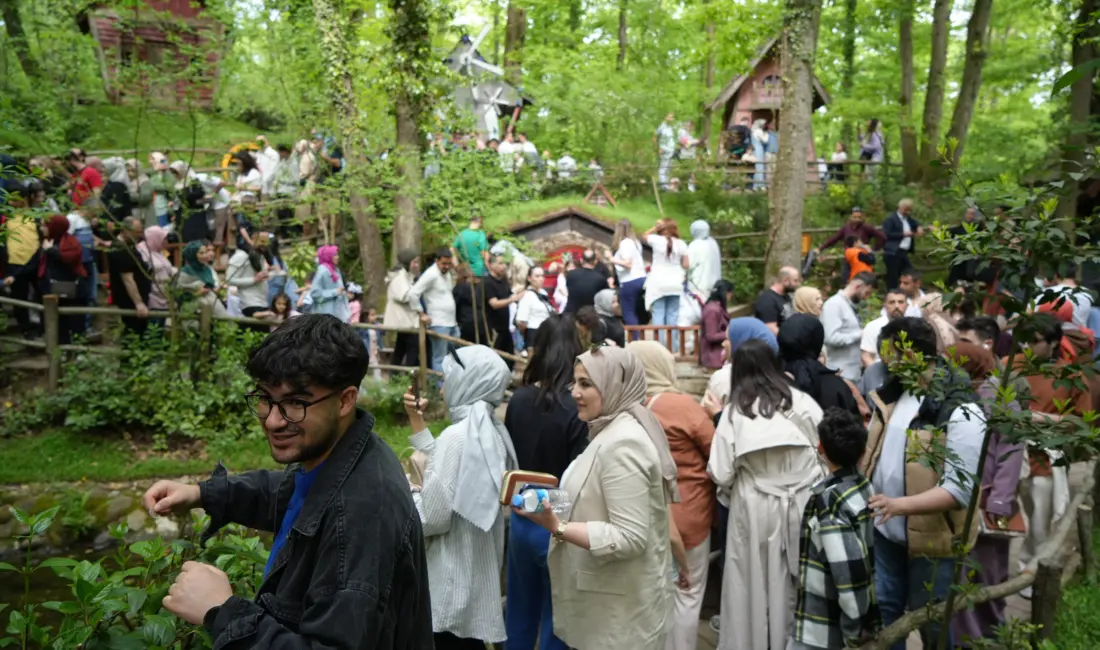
{"points": [[758, 94], [168, 36]]}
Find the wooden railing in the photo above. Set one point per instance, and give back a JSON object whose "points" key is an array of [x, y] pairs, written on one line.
{"points": [[684, 345], [51, 311]]}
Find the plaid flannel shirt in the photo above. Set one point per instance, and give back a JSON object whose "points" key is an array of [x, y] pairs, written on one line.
{"points": [[837, 607]]}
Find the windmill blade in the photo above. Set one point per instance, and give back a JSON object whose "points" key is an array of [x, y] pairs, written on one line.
{"points": [[478, 40], [488, 67]]}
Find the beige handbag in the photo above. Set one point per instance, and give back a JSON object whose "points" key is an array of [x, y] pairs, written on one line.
{"points": [[415, 463]]}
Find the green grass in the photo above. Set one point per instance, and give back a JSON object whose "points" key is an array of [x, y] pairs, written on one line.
{"points": [[63, 456], [642, 213], [122, 127], [1078, 624]]}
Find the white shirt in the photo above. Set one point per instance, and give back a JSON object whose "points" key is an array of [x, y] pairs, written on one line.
{"points": [[439, 301], [532, 310], [77, 221], [839, 157], [507, 152], [666, 275], [254, 178], [567, 165], [906, 243], [666, 138], [241, 275], [630, 249], [869, 342], [1081, 299], [210, 184]]}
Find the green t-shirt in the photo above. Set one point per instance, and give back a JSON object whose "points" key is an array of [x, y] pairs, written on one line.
{"points": [[469, 245]]}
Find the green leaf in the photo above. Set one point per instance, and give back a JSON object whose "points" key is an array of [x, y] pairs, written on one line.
{"points": [[20, 515], [16, 622], [159, 629], [136, 599], [43, 520], [65, 607], [4, 566], [1074, 75]]}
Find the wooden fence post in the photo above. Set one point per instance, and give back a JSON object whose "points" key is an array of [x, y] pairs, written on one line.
{"points": [[206, 325], [1046, 595], [51, 324], [1084, 540], [422, 343]]}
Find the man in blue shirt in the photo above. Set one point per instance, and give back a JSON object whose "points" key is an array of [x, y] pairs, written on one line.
{"points": [[347, 566]]}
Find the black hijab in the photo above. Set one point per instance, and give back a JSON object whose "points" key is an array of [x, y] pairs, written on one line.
{"points": [[800, 339]]}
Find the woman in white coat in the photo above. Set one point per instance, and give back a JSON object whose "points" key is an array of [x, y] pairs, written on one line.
{"points": [[765, 455], [609, 560]]}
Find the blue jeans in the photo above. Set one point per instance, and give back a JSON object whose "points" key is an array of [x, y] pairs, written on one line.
{"points": [[904, 583], [439, 346], [666, 311], [528, 615], [629, 295], [163, 220]]}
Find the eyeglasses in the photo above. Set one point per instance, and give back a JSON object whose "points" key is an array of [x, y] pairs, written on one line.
{"points": [[292, 410]]}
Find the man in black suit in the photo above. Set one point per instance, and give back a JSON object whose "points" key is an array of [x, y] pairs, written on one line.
{"points": [[901, 231]]}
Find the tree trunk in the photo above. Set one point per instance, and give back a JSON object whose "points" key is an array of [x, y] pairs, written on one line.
{"points": [[1080, 99], [621, 61], [337, 60], [788, 183], [849, 74], [410, 36], [515, 33], [9, 11], [977, 47], [708, 77], [910, 154], [575, 11], [937, 83]]}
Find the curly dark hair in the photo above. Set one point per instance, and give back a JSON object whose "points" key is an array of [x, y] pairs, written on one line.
{"points": [[843, 437], [311, 350]]}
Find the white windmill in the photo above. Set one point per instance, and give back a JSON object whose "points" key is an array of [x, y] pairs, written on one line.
{"points": [[488, 95]]}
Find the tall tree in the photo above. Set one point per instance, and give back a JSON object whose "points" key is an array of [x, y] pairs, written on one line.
{"points": [[410, 37], [977, 45], [847, 81], [937, 85], [621, 60], [708, 72], [333, 32], [13, 25], [910, 153], [788, 184], [515, 33], [1083, 96]]}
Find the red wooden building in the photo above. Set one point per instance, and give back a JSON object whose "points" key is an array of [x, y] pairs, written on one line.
{"points": [[164, 49]]}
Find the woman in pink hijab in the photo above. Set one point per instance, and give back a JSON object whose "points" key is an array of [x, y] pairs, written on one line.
{"points": [[152, 252], [327, 291]]}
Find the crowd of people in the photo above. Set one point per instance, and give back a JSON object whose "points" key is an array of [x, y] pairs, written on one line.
{"points": [[801, 466]]}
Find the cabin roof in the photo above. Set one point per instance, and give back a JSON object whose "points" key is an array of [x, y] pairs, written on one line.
{"points": [[821, 96]]}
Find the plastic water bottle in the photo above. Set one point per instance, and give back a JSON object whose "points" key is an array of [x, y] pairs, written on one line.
{"points": [[530, 500]]}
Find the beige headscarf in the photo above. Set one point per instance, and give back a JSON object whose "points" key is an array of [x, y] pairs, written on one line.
{"points": [[620, 378], [659, 364], [931, 307], [805, 301]]}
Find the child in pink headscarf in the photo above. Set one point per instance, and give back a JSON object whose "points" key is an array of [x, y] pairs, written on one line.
{"points": [[152, 252], [327, 291]]}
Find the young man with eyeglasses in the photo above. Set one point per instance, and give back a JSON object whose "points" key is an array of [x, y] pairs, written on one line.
{"points": [[347, 566]]}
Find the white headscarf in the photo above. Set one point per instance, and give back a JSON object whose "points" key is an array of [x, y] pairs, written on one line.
{"points": [[116, 170], [472, 389], [705, 258]]}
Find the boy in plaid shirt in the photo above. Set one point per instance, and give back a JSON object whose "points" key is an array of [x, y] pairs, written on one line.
{"points": [[836, 594]]}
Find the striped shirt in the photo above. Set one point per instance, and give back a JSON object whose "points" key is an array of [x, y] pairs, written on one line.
{"points": [[464, 563]]}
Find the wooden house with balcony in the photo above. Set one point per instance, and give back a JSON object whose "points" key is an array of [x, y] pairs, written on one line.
{"points": [[758, 94], [166, 51]]}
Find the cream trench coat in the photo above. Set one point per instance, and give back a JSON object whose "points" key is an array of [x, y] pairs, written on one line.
{"points": [[617, 595]]}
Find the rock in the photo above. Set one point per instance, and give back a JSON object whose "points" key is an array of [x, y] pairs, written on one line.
{"points": [[103, 541], [136, 520], [7, 528], [5, 514], [167, 528], [118, 506]]}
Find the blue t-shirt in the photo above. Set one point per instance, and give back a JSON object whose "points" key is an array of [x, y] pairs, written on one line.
{"points": [[303, 481]]}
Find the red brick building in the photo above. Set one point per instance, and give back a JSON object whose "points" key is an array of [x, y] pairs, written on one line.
{"points": [[166, 49]]}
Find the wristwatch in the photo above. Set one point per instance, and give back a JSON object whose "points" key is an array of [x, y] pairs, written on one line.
{"points": [[559, 533]]}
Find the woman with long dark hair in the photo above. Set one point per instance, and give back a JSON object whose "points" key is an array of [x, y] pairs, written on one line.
{"points": [[764, 458], [715, 319], [249, 177], [626, 255], [666, 276], [399, 313], [548, 436]]}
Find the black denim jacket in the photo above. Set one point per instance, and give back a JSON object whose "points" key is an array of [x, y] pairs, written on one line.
{"points": [[353, 572]]}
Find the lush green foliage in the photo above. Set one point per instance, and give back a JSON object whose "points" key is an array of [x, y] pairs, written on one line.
{"points": [[115, 602]]}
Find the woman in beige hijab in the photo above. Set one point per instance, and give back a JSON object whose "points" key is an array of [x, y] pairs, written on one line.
{"points": [[609, 556], [690, 432], [931, 307], [808, 300]]}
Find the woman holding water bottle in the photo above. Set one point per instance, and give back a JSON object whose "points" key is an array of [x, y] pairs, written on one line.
{"points": [[459, 501], [609, 558], [548, 436]]}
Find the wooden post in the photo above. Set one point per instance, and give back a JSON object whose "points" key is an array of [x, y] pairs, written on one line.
{"points": [[206, 326], [1084, 540], [422, 342], [51, 323], [1045, 598]]}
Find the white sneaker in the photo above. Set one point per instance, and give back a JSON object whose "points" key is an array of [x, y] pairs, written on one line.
{"points": [[715, 622]]}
